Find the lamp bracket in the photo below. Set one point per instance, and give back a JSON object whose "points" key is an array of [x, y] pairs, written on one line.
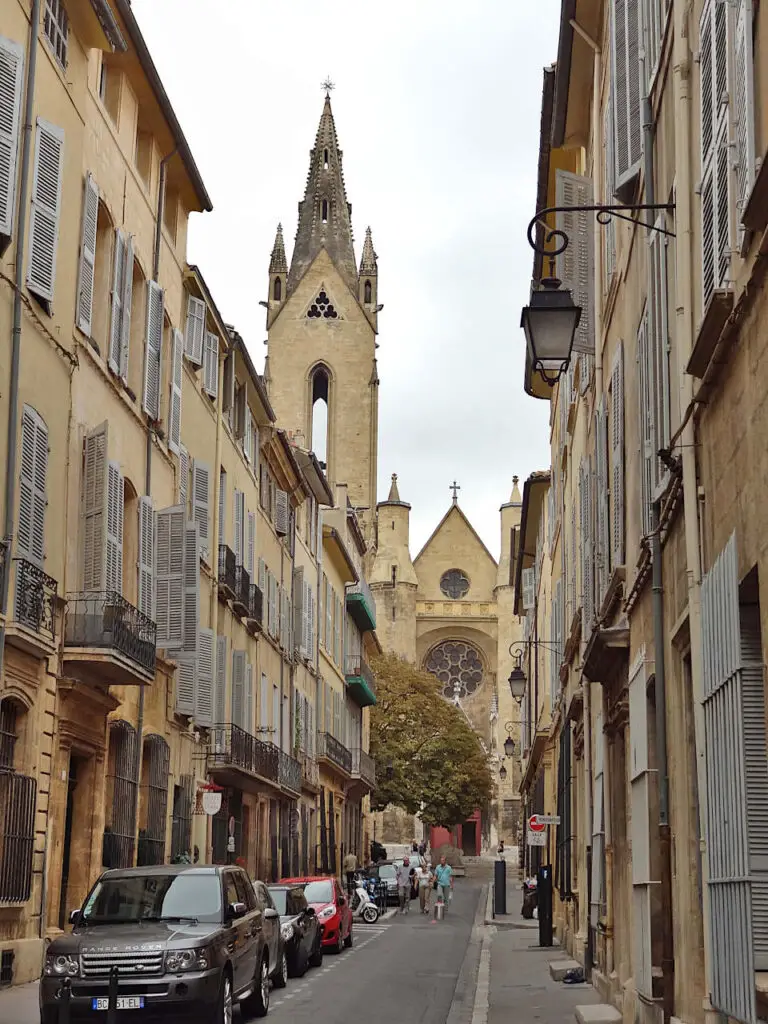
{"points": [[603, 214]]}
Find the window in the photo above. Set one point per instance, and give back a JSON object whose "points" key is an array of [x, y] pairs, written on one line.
{"points": [[154, 350], [625, 76], [277, 290], [8, 734], [11, 68], [318, 438], [109, 90], [367, 292], [322, 307], [143, 156], [457, 666], [171, 212], [181, 823], [117, 848], [18, 798], [154, 801], [46, 209], [33, 500], [56, 27], [454, 584], [654, 16], [324, 211], [325, 160]]}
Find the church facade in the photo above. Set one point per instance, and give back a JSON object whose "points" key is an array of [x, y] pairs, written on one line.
{"points": [[449, 610]]}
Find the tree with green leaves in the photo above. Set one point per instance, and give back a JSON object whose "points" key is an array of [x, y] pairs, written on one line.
{"points": [[428, 758]]}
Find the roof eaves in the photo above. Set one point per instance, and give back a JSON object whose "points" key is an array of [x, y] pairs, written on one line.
{"points": [[563, 74], [541, 476]]}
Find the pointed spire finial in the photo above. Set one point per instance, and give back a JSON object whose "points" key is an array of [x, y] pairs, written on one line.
{"points": [[394, 494], [514, 498], [278, 263], [455, 488], [329, 85], [368, 259]]}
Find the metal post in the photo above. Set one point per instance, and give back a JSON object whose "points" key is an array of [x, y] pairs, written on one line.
{"points": [[500, 887], [544, 904], [65, 994], [112, 998]]}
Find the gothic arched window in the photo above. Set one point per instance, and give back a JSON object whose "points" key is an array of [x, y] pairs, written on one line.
{"points": [[457, 666], [325, 160], [454, 584], [324, 211], [367, 292], [277, 290]]}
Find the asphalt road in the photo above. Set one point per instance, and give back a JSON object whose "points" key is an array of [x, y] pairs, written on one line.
{"points": [[400, 971]]}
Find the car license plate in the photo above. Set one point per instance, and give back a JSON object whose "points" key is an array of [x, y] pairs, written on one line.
{"points": [[123, 1003]]}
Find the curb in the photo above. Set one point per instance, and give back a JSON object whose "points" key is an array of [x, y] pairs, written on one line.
{"points": [[462, 1008], [507, 921]]}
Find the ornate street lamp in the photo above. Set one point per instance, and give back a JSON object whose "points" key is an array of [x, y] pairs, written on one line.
{"points": [[550, 323], [509, 743], [517, 681], [502, 772]]}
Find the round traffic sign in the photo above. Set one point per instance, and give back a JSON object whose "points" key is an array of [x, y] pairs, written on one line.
{"points": [[534, 824]]}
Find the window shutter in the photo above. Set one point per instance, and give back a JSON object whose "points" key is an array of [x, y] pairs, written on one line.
{"points": [[220, 707], [239, 507], [577, 264], [263, 578], [174, 424], [311, 612], [125, 326], [33, 499], [204, 687], [228, 397], [609, 231], [617, 458], [211, 365], [146, 566], [191, 623], [645, 407], [744, 111], [239, 410], [183, 475], [201, 489], [118, 292], [238, 688], [170, 526], [87, 254], [154, 347], [11, 74], [46, 204], [587, 565], [249, 702], [281, 513], [529, 588], [625, 58], [657, 329], [194, 331], [597, 897], [251, 544], [247, 435], [601, 497], [114, 573], [185, 687], [272, 604], [95, 447]]}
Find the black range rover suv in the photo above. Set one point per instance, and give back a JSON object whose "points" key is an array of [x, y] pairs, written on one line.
{"points": [[188, 942]]}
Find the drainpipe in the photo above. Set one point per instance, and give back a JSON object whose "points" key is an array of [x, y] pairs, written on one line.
{"points": [[13, 388], [665, 847]]}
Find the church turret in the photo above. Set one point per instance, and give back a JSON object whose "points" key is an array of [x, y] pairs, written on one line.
{"points": [[278, 274], [393, 578], [324, 213], [510, 525], [368, 280]]}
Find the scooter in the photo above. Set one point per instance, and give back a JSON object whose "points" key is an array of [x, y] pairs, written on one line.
{"points": [[362, 906]]}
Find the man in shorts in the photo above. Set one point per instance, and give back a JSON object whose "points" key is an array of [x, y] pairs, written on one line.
{"points": [[443, 882]]}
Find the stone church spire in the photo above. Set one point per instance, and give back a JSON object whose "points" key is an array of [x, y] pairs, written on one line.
{"points": [[324, 213], [368, 258], [277, 262]]}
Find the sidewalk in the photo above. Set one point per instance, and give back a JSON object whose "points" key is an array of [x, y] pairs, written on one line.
{"points": [[18, 1004], [513, 917]]}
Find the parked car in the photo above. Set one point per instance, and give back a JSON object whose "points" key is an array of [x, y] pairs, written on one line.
{"points": [[331, 906], [385, 872], [278, 961], [301, 933], [189, 942]]}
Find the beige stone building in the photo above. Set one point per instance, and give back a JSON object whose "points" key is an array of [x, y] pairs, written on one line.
{"points": [[647, 735]]}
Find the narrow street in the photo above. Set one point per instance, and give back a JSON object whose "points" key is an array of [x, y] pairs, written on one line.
{"points": [[402, 969]]}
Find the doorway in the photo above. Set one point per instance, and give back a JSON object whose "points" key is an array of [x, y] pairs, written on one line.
{"points": [[469, 838], [76, 770]]}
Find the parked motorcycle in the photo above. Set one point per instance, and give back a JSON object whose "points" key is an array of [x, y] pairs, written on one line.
{"points": [[530, 897], [362, 906]]}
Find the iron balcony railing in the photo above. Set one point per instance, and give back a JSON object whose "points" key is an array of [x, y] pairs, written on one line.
{"points": [[233, 747], [256, 607], [289, 772], [227, 571], [242, 595], [310, 772], [358, 668], [332, 750], [105, 619], [35, 599], [364, 766]]}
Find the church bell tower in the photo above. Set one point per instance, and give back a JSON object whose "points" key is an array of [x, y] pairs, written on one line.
{"points": [[321, 328]]}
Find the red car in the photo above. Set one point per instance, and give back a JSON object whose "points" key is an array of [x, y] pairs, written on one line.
{"points": [[331, 906]]}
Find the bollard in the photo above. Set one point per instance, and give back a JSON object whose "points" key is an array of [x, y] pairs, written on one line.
{"points": [[112, 999], [65, 994], [500, 887], [544, 904]]}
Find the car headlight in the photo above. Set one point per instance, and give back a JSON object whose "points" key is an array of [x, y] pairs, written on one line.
{"points": [[61, 965], [286, 931], [327, 913], [186, 960]]}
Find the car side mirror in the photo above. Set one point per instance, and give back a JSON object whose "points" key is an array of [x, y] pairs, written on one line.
{"points": [[270, 914], [237, 910], [74, 916]]}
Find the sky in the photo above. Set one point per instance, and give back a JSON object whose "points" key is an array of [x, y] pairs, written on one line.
{"points": [[437, 106]]}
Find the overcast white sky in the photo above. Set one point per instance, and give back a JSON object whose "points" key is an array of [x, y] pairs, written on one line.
{"points": [[437, 106]]}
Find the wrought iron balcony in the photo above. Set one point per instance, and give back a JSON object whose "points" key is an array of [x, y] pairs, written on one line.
{"points": [[234, 748], [256, 609], [227, 572], [364, 767], [330, 749], [360, 680], [289, 772], [361, 605], [108, 640], [310, 773], [242, 596], [35, 596]]}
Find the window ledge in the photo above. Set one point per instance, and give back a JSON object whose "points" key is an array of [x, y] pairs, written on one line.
{"points": [[755, 216], [718, 310]]}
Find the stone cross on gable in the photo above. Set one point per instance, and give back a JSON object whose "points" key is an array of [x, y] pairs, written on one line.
{"points": [[455, 488]]}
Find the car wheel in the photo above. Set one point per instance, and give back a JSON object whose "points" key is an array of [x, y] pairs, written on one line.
{"points": [[223, 1013], [280, 977], [339, 942], [302, 962], [316, 960], [348, 940], [257, 1003]]}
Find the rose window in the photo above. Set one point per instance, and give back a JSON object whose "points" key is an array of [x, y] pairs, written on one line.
{"points": [[454, 584], [322, 307], [457, 666]]}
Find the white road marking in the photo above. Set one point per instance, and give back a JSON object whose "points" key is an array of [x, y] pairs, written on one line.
{"points": [[480, 1008]]}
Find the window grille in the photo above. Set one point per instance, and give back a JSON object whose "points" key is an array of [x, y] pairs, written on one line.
{"points": [[8, 737], [181, 824], [152, 835], [18, 798], [117, 849]]}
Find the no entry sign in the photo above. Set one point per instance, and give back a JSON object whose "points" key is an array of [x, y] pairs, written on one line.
{"points": [[535, 825]]}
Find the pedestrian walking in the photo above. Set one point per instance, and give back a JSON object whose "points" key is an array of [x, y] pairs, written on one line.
{"points": [[403, 873], [443, 883], [350, 867], [425, 886]]}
